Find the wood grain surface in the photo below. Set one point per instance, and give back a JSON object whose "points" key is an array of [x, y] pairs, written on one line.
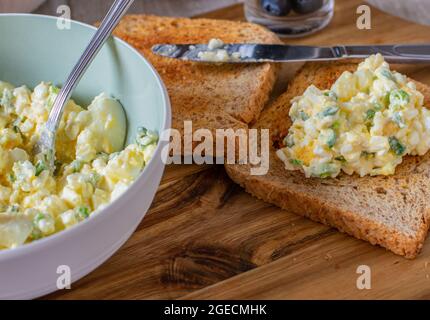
{"points": [[205, 238]]}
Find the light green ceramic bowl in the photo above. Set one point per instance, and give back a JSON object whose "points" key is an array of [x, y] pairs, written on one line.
{"points": [[34, 49]]}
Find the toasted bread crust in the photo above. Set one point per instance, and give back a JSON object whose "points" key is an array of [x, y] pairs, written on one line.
{"points": [[375, 209], [211, 96], [319, 210]]}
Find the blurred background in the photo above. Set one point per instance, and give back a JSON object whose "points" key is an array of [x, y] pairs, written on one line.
{"points": [[92, 10]]}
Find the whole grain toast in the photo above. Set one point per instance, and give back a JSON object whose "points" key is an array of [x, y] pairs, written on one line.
{"points": [[391, 211], [211, 96]]}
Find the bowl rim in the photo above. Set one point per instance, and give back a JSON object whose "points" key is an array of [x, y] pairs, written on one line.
{"points": [[134, 188]]}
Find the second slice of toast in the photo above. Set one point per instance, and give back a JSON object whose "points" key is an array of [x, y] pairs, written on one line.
{"points": [[390, 211]]}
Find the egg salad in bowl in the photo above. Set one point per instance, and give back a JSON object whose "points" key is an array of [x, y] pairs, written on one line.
{"points": [[91, 168], [364, 124]]}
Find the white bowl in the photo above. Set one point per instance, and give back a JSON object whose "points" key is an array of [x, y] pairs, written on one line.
{"points": [[30, 271]]}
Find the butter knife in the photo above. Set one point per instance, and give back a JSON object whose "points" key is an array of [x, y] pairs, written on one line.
{"points": [[255, 53]]}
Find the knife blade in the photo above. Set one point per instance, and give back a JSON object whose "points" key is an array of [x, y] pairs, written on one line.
{"points": [[256, 53]]}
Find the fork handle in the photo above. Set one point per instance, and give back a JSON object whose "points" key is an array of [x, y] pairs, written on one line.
{"points": [[111, 20]]}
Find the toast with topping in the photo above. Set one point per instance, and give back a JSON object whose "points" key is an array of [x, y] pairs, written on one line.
{"points": [[391, 211], [211, 96]]}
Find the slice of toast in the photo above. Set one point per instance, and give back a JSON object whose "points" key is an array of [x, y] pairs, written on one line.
{"points": [[211, 96], [391, 211]]}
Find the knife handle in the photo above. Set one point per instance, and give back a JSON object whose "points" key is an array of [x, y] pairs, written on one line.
{"points": [[400, 53]]}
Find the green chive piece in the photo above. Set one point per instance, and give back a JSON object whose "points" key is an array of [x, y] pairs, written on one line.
{"points": [[76, 166], [304, 116], [83, 212], [330, 111], [387, 74], [370, 114], [331, 141], [335, 125], [341, 159], [40, 166], [399, 97], [296, 162], [396, 146]]}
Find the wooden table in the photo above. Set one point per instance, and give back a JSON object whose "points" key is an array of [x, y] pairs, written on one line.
{"points": [[204, 237]]}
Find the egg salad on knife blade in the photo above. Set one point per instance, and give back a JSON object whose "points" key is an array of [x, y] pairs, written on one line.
{"points": [[91, 168], [364, 124]]}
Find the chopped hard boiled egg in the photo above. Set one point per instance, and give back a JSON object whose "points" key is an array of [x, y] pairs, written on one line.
{"points": [[92, 169], [216, 53], [364, 124], [105, 128]]}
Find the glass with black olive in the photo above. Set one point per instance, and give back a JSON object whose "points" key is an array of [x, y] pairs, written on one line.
{"points": [[290, 18]]}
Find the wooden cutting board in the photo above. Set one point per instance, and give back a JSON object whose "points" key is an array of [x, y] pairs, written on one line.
{"points": [[204, 237]]}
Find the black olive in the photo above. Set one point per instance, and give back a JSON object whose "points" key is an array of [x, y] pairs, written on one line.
{"points": [[276, 7], [306, 6]]}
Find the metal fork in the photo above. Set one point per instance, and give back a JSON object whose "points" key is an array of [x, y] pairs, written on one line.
{"points": [[46, 142]]}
